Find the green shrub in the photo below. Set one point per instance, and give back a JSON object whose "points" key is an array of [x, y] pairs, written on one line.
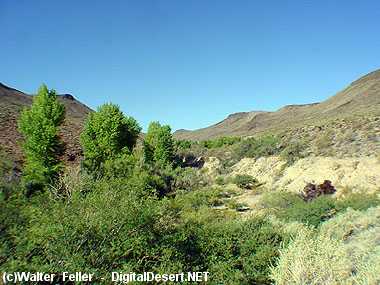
{"points": [[245, 181], [291, 207], [239, 252], [42, 146], [358, 201], [279, 200], [196, 199], [188, 179], [13, 222], [258, 147], [168, 180], [120, 167], [309, 260], [233, 251], [183, 144], [232, 204], [220, 180], [292, 152], [162, 179], [312, 213], [220, 142]]}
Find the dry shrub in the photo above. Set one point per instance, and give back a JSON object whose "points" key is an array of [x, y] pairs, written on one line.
{"points": [[344, 251], [310, 260], [360, 233], [72, 180]]}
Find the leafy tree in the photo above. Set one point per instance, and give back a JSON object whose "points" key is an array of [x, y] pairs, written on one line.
{"points": [[159, 144], [42, 146], [183, 144], [107, 134]]}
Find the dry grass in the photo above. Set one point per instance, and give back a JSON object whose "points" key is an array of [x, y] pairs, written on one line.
{"points": [[344, 251]]}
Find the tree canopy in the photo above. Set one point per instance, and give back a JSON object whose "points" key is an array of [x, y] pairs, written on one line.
{"points": [[107, 134], [42, 146], [159, 144]]}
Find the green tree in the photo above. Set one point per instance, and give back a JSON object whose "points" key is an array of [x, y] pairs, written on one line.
{"points": [[159, 144], [107, 134], [42, 146]]}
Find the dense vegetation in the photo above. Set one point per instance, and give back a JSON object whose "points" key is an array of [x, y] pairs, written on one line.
{"points": [[131, 206]]}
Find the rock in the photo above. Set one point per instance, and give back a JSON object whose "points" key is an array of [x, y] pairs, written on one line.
{"points": [[312, 191], [221, 207], [243, 209], [224, 195], [326, 188]]}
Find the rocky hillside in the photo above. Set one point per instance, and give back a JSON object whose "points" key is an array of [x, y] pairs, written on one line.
{"points": [[12, 103], [358, 174], [360, 98]]}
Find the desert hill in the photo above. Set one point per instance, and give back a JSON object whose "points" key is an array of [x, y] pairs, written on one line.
{"points": [[362, 97], [12, 103]]}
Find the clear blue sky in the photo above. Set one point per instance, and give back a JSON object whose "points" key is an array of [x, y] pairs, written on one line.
{"points": [[189, 63]]}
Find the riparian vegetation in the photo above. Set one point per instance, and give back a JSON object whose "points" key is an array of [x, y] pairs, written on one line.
{"points": [[133, 206]]}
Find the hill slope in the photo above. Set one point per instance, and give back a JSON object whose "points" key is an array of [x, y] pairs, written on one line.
{"points": [[362, 97], [12, 103]]}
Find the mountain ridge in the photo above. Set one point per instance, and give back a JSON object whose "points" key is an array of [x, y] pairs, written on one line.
{"points": [[361, 97]]}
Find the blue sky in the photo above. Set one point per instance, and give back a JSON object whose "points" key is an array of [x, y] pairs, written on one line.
{"points": [[189, 63]]}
